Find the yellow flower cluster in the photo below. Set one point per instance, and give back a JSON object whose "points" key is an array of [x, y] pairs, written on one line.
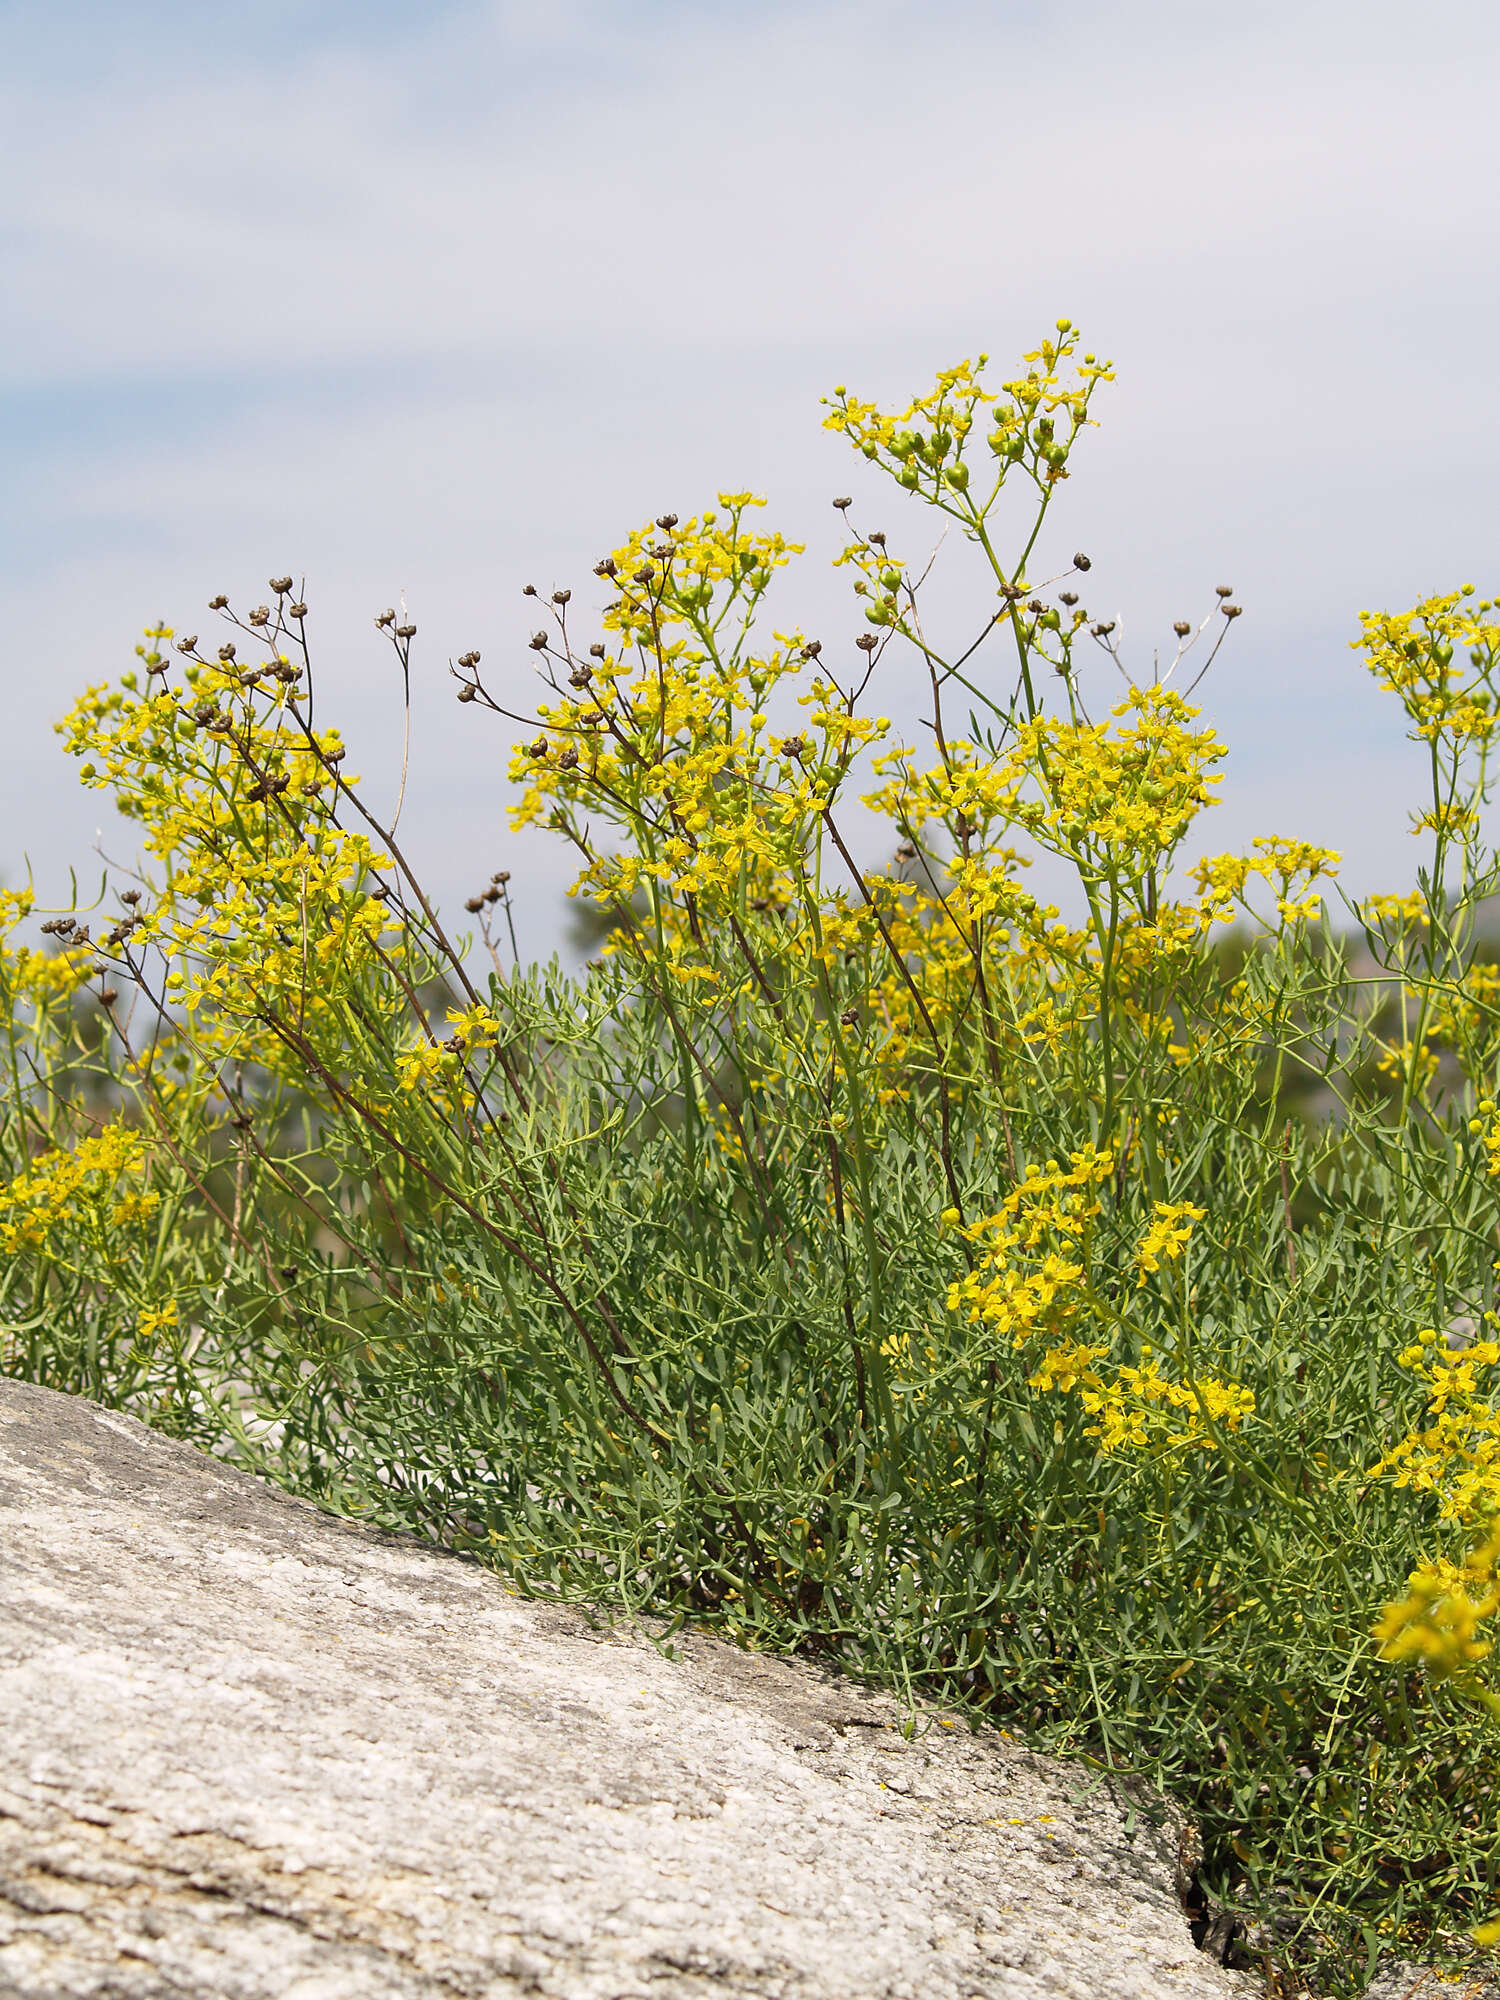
{"points": [[1033, 1270], [1456, 1452], [1139, 1407], [1033, 424], [1439, 659], [1437, 1622], [1166, 1236], [60, 1183]]}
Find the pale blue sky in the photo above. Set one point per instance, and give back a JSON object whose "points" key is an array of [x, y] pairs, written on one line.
{"points": [[443, 298]]}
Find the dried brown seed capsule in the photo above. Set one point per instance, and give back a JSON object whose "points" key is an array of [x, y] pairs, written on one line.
{"points": [[1223, 590], [596, 652], [335, 756], [219, 603], [906, 851], [561, 596], [843, 502], [1182, 628], [867, 642], [580, 677], [538, 642], [108, 996], [850, 1017], [812, 649], [877, 537], [1103, 629], [226, 653], [386, 617], [298, 611], [1233, 610], [492, 894], [666, 521], [466, 693], [644, 576], [469, 659], [663, 551], [187, 645], [1012, 592], [406, 631], [608, 567], [568, 761], [289, 1272], [1036, 607], [501, 875], [131, 896], [792, 746], [528, 590], [281, 585], [538, 748], [474, 905], [261, 615], [1081, 561], [454, 1045]]}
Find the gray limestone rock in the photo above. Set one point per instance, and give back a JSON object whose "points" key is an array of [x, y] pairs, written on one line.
{"points": [[251, 1751]]}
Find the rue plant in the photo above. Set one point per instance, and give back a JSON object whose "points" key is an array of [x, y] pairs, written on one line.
{"points": [[1081, 1321]]}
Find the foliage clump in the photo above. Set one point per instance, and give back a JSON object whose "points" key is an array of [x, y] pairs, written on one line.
{"points": [[1084, 1321]]}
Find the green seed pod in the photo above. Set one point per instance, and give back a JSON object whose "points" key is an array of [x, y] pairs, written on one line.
{"points": [[891, 579], [908, 476], [957, 476]]}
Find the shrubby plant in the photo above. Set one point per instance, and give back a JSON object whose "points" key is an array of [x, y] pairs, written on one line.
{"points": [[868, 1261]]}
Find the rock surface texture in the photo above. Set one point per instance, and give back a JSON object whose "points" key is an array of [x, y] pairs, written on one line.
{"points": [[247, 1750]]}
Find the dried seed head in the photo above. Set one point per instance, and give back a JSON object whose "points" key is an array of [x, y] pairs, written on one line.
{"points": [[608, 567], [1068, 597], [406, 631], [528, 590], [877, 537], [1233, 610], [666, 521], [1103, 629], [843, 502], [1081, 561], [906, 851], [580, 677], [537, 748], [644, 576], [226, 653], [188, 644], [1012, 592], [281, 585], [596, 652], [466, 693], [1182, 628], [131, 896], [538, 642], [1223, 590], [501, 875], [107, 996], [850, 1017], [1036, 607], [867, 642], [386, 617], [568, 761], [561, 596], [492, 894], [220, 603], [261, 615], [297, 611], [474, 905], [812, 649]]}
